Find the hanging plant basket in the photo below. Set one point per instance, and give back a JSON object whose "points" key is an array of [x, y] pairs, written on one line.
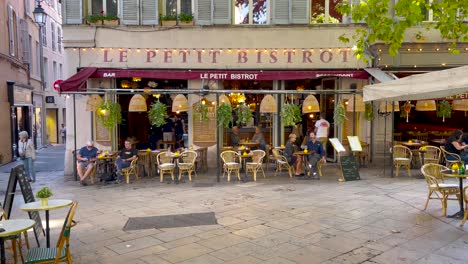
{"points": [[109, 114], [291, 114], [444, 110], [244, 116], [405, 110], [201, 112], [157, 115], [369, 112], [339, 114], [224, 115]]}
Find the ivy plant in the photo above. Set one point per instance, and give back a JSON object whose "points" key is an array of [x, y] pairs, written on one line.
{"points": [[339, 114], [369, 112], [224, 115], [291, 114], [157, 114], [109, 114], [444, 110], [243, 114]]}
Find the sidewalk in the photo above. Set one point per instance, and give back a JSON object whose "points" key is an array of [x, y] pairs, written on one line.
{"points": [[274, 220]]}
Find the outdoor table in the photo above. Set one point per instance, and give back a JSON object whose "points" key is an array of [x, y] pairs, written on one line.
{"points": [[455, 174], [244, 158], [12, 227], [304, 159], [438, 142], [52, 205], [249, 145], [106, 166]]}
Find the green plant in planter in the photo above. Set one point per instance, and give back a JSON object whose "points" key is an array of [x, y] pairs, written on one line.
{"points": [[444, 110], [109, 114], [243, 114], [157, 114], [186, 18], [100, 17], [201, 112], [168, 17], [44, 193], [339, 114], [224, 115], [369, 112], [291, 114]]}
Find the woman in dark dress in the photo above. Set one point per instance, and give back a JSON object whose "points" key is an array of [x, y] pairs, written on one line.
{"points": [[454, 145]]}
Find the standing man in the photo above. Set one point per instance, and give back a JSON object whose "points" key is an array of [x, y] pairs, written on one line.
{"points": [[126, 155], [63, 133], [85, 159], [316, 152], [322, 128], [235, 136]]}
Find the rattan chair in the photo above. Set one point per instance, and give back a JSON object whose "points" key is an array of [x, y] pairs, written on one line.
{"points": [[465, 198], [431, 155], [144, 162], [437, 187], [449, 157], [231, 163], [402, 156], [61, 253], [256, 164], [282, 163], [422, 136], [186, 163], [166, 164], [16, 241], [133, 169]]}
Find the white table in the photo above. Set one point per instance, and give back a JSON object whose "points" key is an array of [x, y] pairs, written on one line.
{"points": [[12, 227], [53, 204]]}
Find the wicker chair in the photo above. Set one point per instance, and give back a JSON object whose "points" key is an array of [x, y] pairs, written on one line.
{"points": [[144, 162], [431, 155], [282, 163], [449, 157], [186, 163], [231, 163], [465, 198], [133, 169], [402, 156], [435, 183], [165, 164], [256, 164]]}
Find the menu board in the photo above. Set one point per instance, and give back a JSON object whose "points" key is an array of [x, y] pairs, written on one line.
{"points": [[101, 132], [337, 145], [204, 130], [349, 168], [354, 143]]}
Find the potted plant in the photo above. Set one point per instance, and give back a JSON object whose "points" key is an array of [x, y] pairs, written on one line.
{"points": [[185, 19], [201, 112], [444, 110], [102, 19], [339, 114], [243, 114], [169, 20], [157, 114], [291, 114], [224, 115], [110, 20], [44, 194], [109, 114]]}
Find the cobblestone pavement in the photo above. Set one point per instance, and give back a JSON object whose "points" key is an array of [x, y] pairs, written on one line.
{"points": [[274, 220]]}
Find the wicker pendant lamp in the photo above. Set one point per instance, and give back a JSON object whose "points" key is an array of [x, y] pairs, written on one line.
{"points": [[310, 105], [93, 102], [180, 104], [268, 104], [137, 104], [426, 105], [356, 99], [460, 105]]}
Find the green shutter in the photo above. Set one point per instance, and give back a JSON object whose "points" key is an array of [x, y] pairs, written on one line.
{"points": [[149, 12], [222, 12], [73, 12], [130, 12], [280, 12], [204, 12], [300, 11]]}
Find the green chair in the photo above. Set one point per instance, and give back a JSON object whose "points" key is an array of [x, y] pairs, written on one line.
{"points": [[61, 252]]}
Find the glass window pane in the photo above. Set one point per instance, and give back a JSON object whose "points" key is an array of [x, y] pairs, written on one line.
{"points": [[186, 6], [335, 16], [317, 12], [111, 6], [96, 7], [241, 12], [260, 12], [171, 7]]}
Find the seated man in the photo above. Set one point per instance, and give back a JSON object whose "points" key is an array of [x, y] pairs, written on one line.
{"points": [[235, 136], [293, 160], [85, 159], [316, 152], [259, 138], [126, 155]]}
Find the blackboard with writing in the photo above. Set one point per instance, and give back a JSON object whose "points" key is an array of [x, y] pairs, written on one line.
{"points": [[28, 196], [10, 193], [350, 168]]}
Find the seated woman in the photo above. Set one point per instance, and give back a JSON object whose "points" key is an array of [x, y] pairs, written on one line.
{"points": [[259, 138], [289, 149], [454, 145]]}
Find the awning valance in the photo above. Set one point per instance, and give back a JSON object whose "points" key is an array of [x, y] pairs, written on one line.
{"points": [[75, 82]]}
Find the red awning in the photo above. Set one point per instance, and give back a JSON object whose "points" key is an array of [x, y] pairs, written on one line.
{"points": [[75, 83]]}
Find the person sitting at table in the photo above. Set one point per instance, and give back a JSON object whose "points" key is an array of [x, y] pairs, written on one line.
{"points": [[259, 138], [86, 159], [454, 145], [292, 159], [316, 152], [235, 136], [124, 159]]}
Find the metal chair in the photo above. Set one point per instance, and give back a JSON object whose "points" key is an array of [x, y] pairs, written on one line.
{"points": [[166, 164], [402, 156], [126, 172], [282, 163], [231, 163], [256, 164], [186, 163], [16, 241], [450, 158], [437, 186]]}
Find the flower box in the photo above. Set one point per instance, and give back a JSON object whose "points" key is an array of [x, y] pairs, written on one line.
{"points": [[185, 24], [169, 23], [114, 22]]}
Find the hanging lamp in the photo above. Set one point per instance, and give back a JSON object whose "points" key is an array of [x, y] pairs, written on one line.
{"points": [[460, 105], [93, 102], [356, 104], [137, 104], [268, 104], [310, 105], [426, 105], [180, 104]]}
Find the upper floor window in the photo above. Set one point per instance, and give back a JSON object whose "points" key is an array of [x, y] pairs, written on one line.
{"points": [[12, 30], [251, 12], [44, 35], [59, 39], [52, 30], [27, 7], [172, 7], [324, 11], [108, 7]]}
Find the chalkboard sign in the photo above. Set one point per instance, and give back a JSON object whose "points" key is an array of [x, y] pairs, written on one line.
{"points": [[349, 168], [10, 193], [29, 198]]}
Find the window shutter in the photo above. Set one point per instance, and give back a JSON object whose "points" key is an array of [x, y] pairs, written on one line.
{"points": [[11, 33], [204, 12], [149, 12], [281, 12], [300, 11], [130, 12], [25, 41], [73, 12], [222, 12]]}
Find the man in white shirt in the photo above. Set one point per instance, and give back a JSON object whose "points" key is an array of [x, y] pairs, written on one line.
{"points": [[321, 130]]}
